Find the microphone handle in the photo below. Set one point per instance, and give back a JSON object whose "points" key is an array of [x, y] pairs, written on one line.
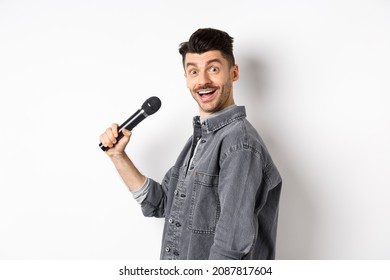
{"points": [[129, 124]]}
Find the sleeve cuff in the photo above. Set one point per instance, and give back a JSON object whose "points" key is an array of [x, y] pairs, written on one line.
{"points": [[141, 194]]}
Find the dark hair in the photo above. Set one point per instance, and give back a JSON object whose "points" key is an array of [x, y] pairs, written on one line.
{"points": [[209, 39]]}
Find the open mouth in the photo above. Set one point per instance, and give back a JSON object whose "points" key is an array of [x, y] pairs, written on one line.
{"points": [[203, 92]]}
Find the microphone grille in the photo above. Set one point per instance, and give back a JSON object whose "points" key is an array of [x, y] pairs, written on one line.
{"points": [[151, 105]]}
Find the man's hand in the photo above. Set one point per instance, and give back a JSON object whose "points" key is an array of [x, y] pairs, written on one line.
{"points": [[108, 139]]}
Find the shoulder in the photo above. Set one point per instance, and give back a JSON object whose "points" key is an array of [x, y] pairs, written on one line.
{"points": [[241, 135]]}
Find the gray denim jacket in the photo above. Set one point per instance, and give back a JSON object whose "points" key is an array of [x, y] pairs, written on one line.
{"points": [[221, 198]]}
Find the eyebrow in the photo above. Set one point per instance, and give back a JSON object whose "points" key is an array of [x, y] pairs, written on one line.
{"points": [[207, 63]]}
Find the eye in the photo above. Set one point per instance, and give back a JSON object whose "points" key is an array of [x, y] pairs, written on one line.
{"points": [[214, 69], [193, 72]]}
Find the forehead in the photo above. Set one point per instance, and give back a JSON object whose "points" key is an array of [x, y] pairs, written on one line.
{"points": [[203, 59]]}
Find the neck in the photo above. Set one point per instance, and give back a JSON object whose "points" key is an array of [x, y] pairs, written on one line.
{"points": [[204, 116]]}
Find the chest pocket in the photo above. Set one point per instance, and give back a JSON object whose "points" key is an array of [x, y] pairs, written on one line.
{"points": [[205, 207]]}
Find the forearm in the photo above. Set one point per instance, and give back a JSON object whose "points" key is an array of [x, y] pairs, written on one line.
{"points": [[132, 177]]}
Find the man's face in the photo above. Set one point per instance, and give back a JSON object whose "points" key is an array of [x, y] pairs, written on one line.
{"points": [[210, 81]]}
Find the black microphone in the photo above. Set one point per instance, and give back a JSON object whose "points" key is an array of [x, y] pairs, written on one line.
{"points": [[150, 106]]}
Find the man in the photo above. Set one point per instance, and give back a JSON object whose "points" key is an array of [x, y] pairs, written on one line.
{"points": [[220, 199]]}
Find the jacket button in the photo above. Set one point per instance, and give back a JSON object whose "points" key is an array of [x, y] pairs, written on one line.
{"points": [[167, 249], [170, 220], [176, 253], [178, 224]]}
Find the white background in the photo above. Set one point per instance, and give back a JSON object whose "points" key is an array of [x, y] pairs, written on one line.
{"points": [[314, 80]]}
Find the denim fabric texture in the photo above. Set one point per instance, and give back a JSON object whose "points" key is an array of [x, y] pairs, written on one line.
{"points": [[221, 198]]}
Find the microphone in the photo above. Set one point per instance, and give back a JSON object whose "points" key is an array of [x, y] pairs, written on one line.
{"points": [[150, 106]]}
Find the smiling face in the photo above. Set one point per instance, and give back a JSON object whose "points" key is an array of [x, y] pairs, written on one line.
{"points": [[210, 80]]}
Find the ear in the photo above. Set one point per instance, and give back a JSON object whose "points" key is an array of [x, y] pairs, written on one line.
{"points": [[234, 73]]}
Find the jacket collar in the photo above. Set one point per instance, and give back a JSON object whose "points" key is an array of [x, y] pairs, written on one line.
{"points": [[221, 118]]}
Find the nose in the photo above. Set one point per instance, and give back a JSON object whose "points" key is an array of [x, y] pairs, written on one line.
{"points": [[203, 78]]}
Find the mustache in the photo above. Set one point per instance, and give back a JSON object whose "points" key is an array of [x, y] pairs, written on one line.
{"points": [[206, 86]]}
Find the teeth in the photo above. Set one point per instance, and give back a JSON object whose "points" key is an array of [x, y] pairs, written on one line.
{"points": [[205, 92]]}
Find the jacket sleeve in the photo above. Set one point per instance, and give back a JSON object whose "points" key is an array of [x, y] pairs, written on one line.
{"points": [[154, 203], [240, 179]]}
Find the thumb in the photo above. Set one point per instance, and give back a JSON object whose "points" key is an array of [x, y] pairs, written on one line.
{"points": [[126, 137], [126, 132]]}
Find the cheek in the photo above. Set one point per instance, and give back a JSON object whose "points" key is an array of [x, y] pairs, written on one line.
{"points": [[221, 81], [190, 83]]}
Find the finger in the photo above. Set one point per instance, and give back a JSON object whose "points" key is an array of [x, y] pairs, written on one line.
{"points": [[106, 141], [102, 140], [110, 135], [114, 128]]}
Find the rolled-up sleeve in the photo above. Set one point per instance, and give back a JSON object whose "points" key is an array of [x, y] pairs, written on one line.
{"points": [[141, 194], [153, 205]]}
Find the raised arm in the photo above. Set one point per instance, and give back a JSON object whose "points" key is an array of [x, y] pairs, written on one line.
{"points": [[133, 179]]}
